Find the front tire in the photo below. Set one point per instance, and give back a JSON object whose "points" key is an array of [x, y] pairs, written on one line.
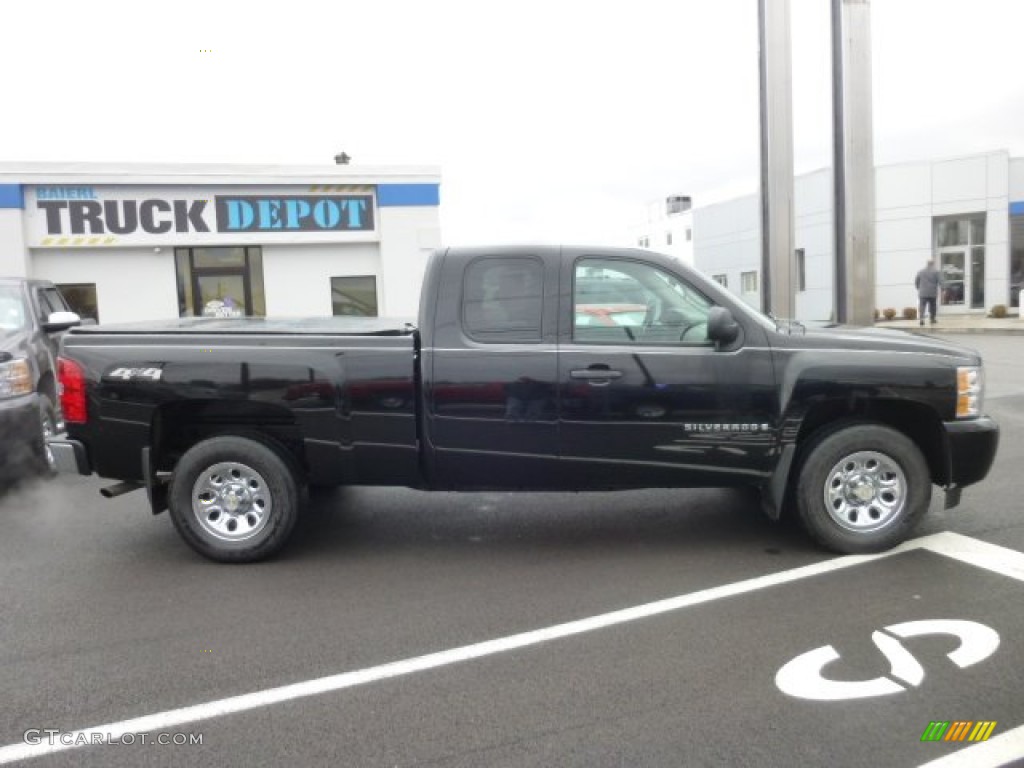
{"points": [[46, 465], [233, 500], [862, 488]]}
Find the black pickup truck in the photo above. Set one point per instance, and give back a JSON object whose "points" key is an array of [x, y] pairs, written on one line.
{"points": [[32, 315], [548, 368]]}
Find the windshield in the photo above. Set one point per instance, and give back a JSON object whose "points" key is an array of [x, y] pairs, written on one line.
{"points": [[12, 309]]}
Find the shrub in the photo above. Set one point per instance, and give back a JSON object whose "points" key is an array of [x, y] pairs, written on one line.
{"points": [[910, 313], [889, 313], [999, 310]]}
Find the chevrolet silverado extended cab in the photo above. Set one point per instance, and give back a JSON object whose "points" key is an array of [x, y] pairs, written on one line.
{"points": [[547, 368]]}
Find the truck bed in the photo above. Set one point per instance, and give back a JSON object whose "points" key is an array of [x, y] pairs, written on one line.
{"points": [[261, 326]]}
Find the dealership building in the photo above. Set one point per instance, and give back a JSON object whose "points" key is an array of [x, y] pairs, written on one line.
{"points": [[966, 213], [129, 242]]}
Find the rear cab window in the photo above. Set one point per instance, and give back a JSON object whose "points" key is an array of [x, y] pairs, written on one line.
{"points": [[503, 299]]}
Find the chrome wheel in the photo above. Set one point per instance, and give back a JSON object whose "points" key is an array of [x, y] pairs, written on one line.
{"points": [[231, 501], [865, 491]]}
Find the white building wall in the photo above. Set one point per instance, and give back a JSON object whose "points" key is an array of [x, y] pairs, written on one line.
{"points": [[13, 254], [131, 283], [1016, 179], [903, 231], [908, 197], [669, 233], [47, 231], [813, 233], [728, 242], [297, 278], [408, 235], [997, 230]]}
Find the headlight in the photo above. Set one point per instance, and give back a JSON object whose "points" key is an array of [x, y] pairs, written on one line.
{"points": [[969, 386], [15, 378]]}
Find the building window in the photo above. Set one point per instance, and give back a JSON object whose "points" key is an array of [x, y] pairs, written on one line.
{"points": [[722, 280], [960, 257], [668, 238], [354, 296], [801, 270], [81, 297], [220, 282], [503, 299], [748, 282], [689, 234]]}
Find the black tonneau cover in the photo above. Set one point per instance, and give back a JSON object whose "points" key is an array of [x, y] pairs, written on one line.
{"points": [[263, 326]]}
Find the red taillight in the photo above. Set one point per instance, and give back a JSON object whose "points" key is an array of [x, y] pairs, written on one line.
{"points": [[72, 391]]}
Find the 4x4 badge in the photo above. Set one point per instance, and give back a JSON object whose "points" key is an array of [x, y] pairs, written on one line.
{"points": [[802, 677]]}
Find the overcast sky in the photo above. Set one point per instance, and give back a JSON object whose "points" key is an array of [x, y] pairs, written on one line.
{"points": [[551, 120]]}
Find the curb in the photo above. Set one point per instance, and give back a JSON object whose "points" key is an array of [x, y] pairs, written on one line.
{"points": [[944, 331]]}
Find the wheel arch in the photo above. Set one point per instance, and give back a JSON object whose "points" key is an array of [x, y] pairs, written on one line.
{"points": [[917, 421], [176, 427]]}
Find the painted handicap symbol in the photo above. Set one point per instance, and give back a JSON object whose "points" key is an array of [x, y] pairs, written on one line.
{"points": [[803, 676]]}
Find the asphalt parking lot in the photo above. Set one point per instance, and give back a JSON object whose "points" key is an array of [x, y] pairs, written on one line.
{"points": [[648, 628]]}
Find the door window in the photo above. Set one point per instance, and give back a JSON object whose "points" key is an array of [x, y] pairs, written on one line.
{"points": [[221, 295], [952, 268], [630, 302]]}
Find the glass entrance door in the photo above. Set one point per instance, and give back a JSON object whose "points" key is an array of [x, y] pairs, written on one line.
{"points": [[221, 293], [960, 247], [953, 278], [220, 282]]}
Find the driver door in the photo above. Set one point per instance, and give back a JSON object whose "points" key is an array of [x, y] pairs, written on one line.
{"points": [[645, 399]]}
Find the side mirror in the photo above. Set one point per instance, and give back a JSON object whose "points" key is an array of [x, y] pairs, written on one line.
{"points": [[722, 327], [61, 321]]}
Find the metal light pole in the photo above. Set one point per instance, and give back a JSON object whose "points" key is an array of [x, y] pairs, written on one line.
{"points": [[778, 259], [854, 162]]}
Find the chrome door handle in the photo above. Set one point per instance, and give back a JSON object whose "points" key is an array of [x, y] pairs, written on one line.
{"points": [[595, 374]]}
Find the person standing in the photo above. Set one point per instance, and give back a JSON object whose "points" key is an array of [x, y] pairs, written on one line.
{"points": [[928, 282]]}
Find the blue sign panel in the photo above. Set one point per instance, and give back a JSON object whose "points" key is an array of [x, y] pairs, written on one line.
{"points": [[294, 213], [11, 196], [394, 195]]}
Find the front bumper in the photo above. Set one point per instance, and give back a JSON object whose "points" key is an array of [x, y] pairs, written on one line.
{"points": [[971, 449], [69, 456]]}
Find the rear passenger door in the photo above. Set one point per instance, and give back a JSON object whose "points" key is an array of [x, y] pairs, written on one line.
{"points": [[492, 415]]}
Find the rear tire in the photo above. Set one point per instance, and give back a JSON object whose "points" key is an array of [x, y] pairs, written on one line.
{"points": [[862, 488], [234, 500]]}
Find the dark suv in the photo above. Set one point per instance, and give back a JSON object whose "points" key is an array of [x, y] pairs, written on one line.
{"points": [[32, 315]]}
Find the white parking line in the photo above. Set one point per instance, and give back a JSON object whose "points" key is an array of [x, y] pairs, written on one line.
{"points": [[989, 556]]}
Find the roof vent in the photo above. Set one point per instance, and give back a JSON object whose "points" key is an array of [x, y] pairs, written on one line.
{"points": [[677, 203]]}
